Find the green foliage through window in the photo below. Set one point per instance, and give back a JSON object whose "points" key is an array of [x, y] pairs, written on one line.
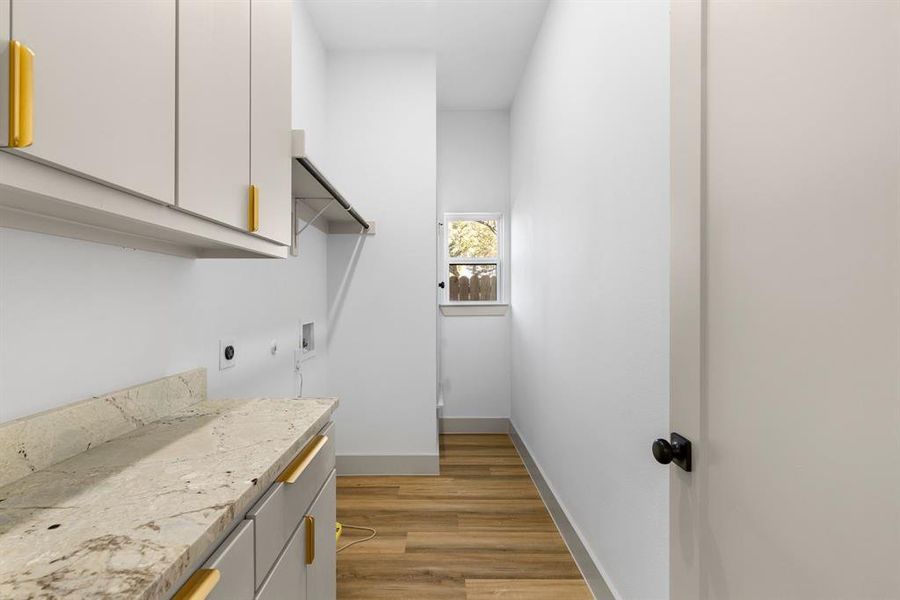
{"points": [[473, 239]]}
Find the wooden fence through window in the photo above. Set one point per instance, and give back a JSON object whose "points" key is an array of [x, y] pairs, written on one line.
{"points": [[473, 289]]}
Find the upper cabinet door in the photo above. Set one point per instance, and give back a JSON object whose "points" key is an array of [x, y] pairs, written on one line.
{"points": [[104, 89], [214, 109], [270, 115], [4, 72]]}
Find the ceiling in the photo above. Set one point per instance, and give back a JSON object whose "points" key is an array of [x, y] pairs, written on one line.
{"points": [[482, 46]]}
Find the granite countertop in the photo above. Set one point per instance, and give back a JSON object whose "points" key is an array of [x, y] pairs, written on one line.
{"points": [[129, 517]]}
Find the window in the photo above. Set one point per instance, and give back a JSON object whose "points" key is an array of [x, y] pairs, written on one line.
{"points": [[473, 251]]}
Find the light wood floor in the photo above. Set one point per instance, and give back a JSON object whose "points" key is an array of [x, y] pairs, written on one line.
{"points": [[478, 531]]}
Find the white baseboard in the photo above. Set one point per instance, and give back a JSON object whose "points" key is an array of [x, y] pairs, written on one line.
{"points": [[586, 563], [474, 425]]}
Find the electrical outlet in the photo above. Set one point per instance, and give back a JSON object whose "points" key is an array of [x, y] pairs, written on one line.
{"points": [[227, 354]]}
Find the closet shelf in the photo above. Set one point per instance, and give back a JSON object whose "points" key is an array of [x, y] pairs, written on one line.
{"points": [[311, 187]]}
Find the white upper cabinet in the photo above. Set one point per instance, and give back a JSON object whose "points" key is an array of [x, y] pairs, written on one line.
{"points": [[151, 124], [214, 109], [4, 73], [104, 89], [270, 115], [234, 119]]}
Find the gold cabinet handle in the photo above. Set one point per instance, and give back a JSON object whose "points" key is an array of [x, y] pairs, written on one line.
{"points": [[253, 209], [302, 460], [199, 585], [21, 95], [310, 539]]}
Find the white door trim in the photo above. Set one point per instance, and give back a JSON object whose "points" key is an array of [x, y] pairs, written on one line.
{"points": [[687, 280]]}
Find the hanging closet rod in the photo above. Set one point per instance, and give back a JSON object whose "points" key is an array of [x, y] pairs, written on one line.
{"points": [[337, 195]]}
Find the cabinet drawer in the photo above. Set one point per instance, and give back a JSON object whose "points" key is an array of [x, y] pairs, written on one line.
{"points": [[281, 509], [228, 572]]}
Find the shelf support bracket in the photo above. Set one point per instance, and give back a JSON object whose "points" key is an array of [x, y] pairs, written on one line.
{"points": [[295, 239]]}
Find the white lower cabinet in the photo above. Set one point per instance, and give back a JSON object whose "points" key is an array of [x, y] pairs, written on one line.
{"points": [[285, 548], [234, 562], [283, 506], [307, 568], [228, 573], [321, 582], [288, 578]]}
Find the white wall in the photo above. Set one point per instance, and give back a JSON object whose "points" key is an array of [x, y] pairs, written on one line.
{"points": [[78, 319], [309, 65], [381, 155], [473, 176], [589, 187]]}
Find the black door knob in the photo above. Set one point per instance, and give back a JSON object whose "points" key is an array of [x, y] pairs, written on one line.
{"points": [[662, 451], [677, 450], [441, 285]]}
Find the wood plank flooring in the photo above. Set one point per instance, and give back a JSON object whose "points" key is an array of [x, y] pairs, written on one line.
{"points": [[478, 531]]}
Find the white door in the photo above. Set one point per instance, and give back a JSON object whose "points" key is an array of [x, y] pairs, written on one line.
{"points": [[104, 89], [270, 116], [214, 109], [786, 299]]}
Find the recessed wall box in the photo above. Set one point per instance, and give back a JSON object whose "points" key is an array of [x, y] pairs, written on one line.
{"points": [[307, 340]]}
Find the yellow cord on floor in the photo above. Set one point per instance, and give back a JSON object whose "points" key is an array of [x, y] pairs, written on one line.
{"points": [[339, 527]]}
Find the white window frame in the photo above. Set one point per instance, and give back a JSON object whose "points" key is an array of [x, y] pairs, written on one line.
{"points": [[499, 260]]}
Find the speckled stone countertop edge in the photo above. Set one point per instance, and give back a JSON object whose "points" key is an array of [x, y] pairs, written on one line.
{"points": [[146, 560], [217, 531]]}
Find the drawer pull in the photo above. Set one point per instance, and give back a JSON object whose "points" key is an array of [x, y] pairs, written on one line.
{"points": [[310, 539], [306, 456], [199, 585], [21, 95]]}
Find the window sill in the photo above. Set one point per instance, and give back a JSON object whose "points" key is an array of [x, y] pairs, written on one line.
{"points": [[474, 310]]}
